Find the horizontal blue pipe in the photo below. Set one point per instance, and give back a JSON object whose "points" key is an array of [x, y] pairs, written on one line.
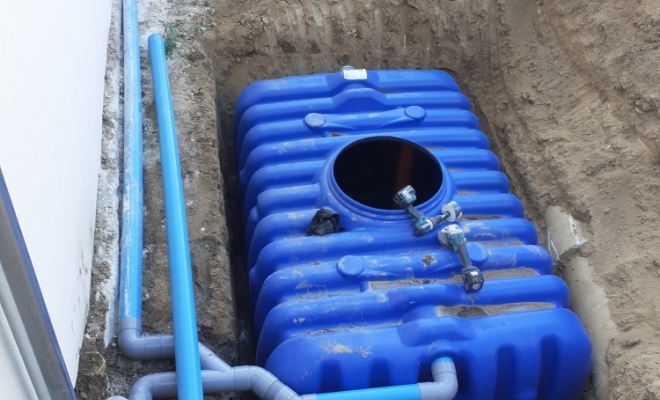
{"points": [[405, 392], [189, 381], [130, 297]]}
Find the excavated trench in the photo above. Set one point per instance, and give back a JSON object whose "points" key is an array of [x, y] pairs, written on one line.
{"points": [[274, 39], [553, 109], [560, 91]]}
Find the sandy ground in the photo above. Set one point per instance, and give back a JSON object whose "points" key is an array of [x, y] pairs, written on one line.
{"points": [[567, 91]]}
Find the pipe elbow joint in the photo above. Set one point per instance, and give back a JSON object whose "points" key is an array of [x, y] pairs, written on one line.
{"points": [[142, 389], [129, 338], [445, 382], [262, 383], [438, 390], [143, 347]]}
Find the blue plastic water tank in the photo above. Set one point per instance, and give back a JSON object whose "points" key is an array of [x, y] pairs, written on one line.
{"points": [[372, 304]]}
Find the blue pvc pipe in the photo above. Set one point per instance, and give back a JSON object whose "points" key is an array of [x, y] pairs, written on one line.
{"points": [[407, 392], [186, 351], [130, 290]]}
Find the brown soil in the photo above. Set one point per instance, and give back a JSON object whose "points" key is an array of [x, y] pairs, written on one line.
{"points": [[567, 91]]}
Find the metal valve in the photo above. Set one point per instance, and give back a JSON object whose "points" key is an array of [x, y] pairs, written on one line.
{"points": [[452, 211], [453, 236], [406, 197]]}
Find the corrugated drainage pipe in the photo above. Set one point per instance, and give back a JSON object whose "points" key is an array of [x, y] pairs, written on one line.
{"points": [[268, 387]]}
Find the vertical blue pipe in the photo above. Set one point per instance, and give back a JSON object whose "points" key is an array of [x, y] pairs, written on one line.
{"points": [[189, 380], [130, 292]]}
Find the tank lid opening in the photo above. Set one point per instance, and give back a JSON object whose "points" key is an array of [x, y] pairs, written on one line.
{"points": [[371, 171]]}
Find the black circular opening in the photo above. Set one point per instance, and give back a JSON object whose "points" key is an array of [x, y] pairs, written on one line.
{"points": [[371, 171]]}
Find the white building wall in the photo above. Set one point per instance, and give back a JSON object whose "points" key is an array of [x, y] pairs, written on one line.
{"points": [[51, 99]]}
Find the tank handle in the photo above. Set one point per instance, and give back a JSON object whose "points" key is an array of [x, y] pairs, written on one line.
{"points": [[346, 123]]}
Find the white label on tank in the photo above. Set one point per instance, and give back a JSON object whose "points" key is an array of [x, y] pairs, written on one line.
{"points": [[355, 74]]}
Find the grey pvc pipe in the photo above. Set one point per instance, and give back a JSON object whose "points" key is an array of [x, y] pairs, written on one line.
{"points": [[268, 387], [255, 379], [445, 383], [137, 346]]}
